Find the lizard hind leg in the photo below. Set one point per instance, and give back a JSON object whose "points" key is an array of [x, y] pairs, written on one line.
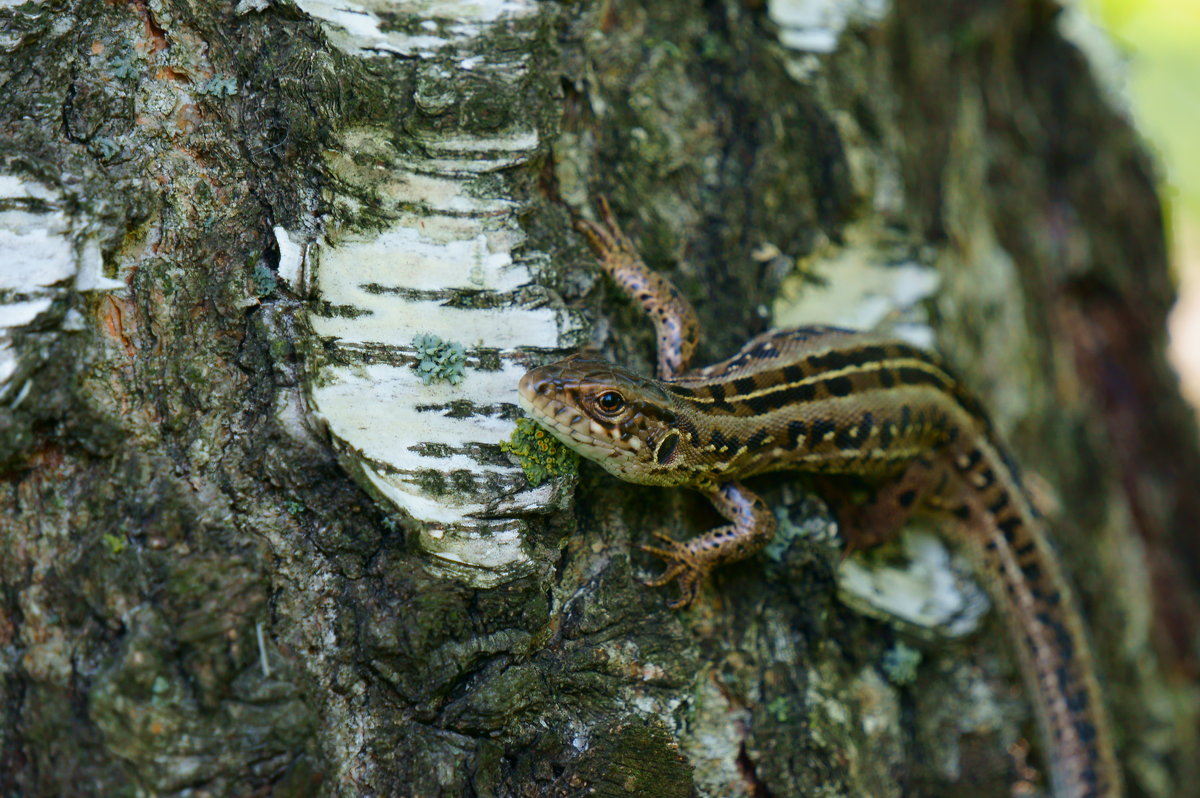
{"points": [[864, 526], [676, 327]]}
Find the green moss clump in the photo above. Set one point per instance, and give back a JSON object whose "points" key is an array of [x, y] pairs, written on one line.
{"points": [[115, 543], [780, 708], [541, 456], [439, 360]]}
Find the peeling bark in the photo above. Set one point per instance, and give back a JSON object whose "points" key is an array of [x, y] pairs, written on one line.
{"points": [[246, 548]]}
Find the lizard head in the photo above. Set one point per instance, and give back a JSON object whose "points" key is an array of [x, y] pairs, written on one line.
{"points": [[608, 414]]}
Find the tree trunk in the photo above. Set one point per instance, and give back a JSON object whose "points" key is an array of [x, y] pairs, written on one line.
{"points": [[271, 273]]}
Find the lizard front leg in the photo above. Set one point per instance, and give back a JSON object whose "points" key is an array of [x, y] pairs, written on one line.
{"points": [[751, 526]]}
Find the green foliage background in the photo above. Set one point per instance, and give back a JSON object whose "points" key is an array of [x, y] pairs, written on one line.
{"points": [[1161, 40]]}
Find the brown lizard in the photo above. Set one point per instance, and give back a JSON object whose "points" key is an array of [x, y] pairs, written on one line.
{"points": [[832, 401]]}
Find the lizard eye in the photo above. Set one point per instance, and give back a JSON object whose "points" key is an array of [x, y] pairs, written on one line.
{"points": [[610, 402]]}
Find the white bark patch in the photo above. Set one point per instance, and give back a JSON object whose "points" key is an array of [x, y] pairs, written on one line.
{"points": [[43, 259], [864, 290], [814, 26], [436, 251], [291, 259], [933, 592], [356, 26]]}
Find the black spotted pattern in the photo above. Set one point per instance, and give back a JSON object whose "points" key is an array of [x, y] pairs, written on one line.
{"points": [[853, 436], [797, 430]]}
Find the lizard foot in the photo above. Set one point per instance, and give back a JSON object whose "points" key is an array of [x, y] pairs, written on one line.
{"points": [[682, 565]]}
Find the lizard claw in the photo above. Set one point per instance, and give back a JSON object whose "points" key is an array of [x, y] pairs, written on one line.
{"points": [[598, 238], [662, 554], [605, 237], [664, 537], [671, 554], [672, 572]]}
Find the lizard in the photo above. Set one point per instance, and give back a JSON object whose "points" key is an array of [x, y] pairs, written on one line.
{"points": [[831, 401]]}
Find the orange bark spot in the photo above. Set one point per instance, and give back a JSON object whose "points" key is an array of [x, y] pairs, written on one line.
{"points": [[171, 73], [116, 317], [156, 36], [187, 117]]}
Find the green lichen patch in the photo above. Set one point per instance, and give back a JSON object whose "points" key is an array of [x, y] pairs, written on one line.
{"points": [[127, 67], [219, 86], [439, 360], [264, 280], [900, 664], [807, 521], [541, 456]]}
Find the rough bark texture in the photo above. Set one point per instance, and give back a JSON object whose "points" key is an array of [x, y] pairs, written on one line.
{"points": [[208, 584]]}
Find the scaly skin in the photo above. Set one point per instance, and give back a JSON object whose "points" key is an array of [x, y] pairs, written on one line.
{"points": [[832, 401]]}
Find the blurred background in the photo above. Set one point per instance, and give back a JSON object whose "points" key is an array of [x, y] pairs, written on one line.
{"points": [[1159, 43]]}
